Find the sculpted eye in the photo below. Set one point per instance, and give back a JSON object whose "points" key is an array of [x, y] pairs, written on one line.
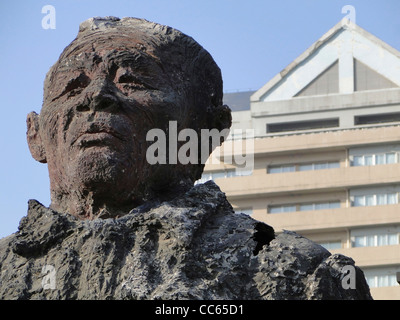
{"points": [[130, 81], [76, 85], [126, 78]]}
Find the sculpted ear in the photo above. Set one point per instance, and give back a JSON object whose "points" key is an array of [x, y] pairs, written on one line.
{"points": [[222, 118], [33, 136]]}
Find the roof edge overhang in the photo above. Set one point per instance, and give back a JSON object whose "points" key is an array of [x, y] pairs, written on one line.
{"points": [[341, 25]]}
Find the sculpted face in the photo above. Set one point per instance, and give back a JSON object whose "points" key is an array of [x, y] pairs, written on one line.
{"points": [[101, 98], [100, 107]]}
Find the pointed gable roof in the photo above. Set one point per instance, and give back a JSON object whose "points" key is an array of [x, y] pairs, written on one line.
{"points": [[343, 47]]}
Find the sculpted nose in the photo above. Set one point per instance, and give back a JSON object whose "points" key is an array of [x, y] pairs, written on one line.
{"points": [[99, 97]]}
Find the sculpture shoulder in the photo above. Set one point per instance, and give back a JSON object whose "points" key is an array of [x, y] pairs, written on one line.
{"points": [[192, 247]]}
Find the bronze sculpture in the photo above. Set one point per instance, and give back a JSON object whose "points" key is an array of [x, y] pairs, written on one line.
{"points": [[161, 238]]}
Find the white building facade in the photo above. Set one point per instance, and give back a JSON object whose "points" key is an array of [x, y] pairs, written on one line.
{"points": [[327, 152]]}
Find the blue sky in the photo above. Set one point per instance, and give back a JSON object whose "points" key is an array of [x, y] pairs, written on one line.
{"points": [[250, 40]]}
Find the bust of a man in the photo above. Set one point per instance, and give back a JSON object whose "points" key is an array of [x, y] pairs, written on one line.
{"points": [[116, 81], [162, 237]]}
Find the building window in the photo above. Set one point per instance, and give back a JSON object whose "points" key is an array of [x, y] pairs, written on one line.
{"points": [[319, 206], [386, 280], [247, 211], [281, 169], [331, 245], [375, 237], [381, 277], [304, 207], [377, 118], [303, 167], [282, 209], [375, 240], [375, 159], [319, 166], [302, 125], [375, 199], [212, 175]]}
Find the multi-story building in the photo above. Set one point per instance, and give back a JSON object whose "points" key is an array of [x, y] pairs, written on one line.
{"points": [[327, 152]]}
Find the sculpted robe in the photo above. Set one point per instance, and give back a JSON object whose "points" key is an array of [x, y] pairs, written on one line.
{"points": [[192, 247]]}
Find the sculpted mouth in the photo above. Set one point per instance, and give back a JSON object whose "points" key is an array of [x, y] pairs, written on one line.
{"points": [[101, 137]]}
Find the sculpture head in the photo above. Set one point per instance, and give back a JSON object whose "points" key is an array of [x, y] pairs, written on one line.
{"points": [[117, 80]]}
